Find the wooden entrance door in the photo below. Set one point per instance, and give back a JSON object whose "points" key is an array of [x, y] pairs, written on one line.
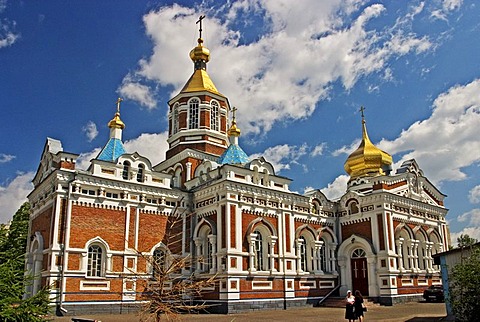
{"points": [[359, 273]]}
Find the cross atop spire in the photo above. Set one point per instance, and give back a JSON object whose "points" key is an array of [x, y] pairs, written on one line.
{"points": [[362, 109], [234, 110], [199, 21], [119, 100]]}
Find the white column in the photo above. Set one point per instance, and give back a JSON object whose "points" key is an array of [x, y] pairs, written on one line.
{"points": [[212, 239], [415, 256], [429, 260], [372, 276], [298, 256], [198, 245], [251, 253], [272, 240], [400, 254], [189, 171], [317, 267], [411, 261], [342, 263]]}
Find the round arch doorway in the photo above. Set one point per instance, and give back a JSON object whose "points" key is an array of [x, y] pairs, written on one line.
{"points": [[358, 264]]}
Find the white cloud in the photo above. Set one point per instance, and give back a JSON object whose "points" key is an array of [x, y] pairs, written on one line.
{"points": [[83, 160], [90, 131], [474, 195], [443, 143], [14, 194], [472, 217], [4, 158], [137, 92], [8, 36], [337, 188], [282, 156], [318, 150], [347, 149], [450, 5], [276, 76], [152, 146], [447, 6]]}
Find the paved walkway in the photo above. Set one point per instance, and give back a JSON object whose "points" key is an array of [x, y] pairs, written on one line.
{"points": [[410, 312]]}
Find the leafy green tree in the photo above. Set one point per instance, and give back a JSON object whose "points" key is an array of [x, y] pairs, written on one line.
{"points": [[13, 243], [465, 240], [464, 286]]}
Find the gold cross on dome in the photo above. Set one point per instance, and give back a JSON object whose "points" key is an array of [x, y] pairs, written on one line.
{"points": [[199, 21], [119, 100], [234, 110]]}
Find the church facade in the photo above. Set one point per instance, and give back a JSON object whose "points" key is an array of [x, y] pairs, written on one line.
{"points": [[92, 230]]}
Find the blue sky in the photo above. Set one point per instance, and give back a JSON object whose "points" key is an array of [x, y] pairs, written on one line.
{"points": [[297, 71]]}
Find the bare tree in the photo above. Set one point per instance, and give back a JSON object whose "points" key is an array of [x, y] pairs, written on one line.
{"points": [[173, 291]]}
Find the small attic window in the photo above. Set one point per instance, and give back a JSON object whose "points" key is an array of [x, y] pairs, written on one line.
{"points": [[126, 170], [141, 170]]}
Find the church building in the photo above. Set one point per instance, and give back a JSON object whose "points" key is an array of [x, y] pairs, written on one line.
{"points": [[92, 230]]}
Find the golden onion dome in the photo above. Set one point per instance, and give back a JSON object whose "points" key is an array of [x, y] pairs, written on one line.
{"points": [[200, 53], [367, 159], [200, 80], [233, 130], [116, 122]]}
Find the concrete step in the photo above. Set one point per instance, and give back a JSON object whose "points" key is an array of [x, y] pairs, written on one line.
{"points": [[336, 301]]}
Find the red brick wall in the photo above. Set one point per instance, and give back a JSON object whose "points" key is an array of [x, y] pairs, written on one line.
{"points": [[88, 223], [73, 287], [151, 230], [223, 228], [42, 223], [232, 226], [363, 229], [132, 228], [381, 232], [74, 262]]}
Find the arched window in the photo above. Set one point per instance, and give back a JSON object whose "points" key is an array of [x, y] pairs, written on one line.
{"points": [[175, 119], [315, 207], [303, 253], [140, 172], [404, 247], [214, 113], [158, 262], [126, 170], [96, 261], [259, 251], [261, 243], [177, 178], [421, 250], [205, 249], [193, 113], [327, 252], [353, 207], [324, 257], [359, 253]]}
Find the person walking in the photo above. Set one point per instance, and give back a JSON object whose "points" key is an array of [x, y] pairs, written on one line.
{"points": [[350, 307], [359, 306]]}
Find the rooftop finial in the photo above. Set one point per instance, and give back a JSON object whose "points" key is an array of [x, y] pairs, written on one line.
{"points": [[362, 109], [119, 100], [199, 21], [234, 110]]}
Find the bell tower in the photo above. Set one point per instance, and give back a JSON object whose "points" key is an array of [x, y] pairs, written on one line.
{"points": [[198, 114]]}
